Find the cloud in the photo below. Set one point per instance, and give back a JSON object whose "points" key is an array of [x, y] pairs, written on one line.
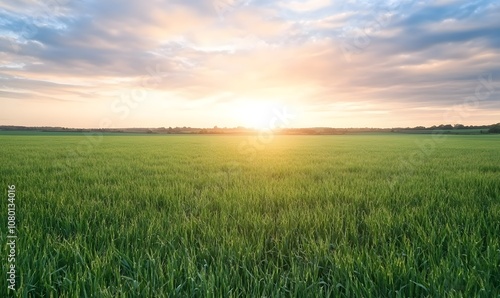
{"points": [[403, 55], [304, 6]]}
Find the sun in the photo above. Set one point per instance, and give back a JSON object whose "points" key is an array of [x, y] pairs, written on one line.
{"points": [[254, 114]]}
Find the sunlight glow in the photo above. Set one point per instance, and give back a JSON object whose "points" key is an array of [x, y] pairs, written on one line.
{"points": [[254, 114]]}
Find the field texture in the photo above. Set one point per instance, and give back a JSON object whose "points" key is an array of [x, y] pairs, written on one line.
{"points": [[232, 216]]}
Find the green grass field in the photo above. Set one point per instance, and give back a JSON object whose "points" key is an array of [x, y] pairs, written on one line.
{"points": [[194, 216]]}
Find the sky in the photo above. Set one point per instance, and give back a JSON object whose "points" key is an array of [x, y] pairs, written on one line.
{"points": [[252, 63]]}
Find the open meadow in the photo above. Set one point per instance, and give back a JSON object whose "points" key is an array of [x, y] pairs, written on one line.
{"points": [[385, 215]]}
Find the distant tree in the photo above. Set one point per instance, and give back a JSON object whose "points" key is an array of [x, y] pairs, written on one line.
{"points": [[495, 128], [459, 126], [445, 127]]}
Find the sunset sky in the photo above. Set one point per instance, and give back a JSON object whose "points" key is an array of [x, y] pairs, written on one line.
{"points": [[161, 63]]}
